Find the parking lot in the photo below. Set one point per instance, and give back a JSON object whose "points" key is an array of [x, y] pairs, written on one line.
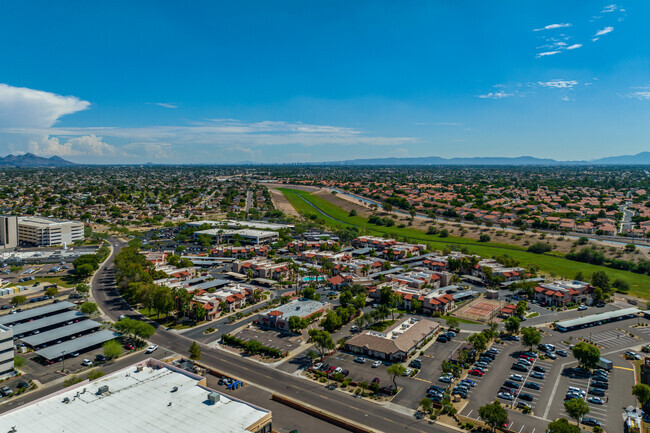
{"points": [[270, 338]]}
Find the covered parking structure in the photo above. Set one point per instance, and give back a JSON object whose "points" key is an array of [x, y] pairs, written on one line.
{"points": [[569, 325], [80, 344], [60, 333], [35, 313], [46, 323]]}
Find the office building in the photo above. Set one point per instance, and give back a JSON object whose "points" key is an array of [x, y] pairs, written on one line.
{"points": [[45, 232], [6, 352], [8, 232]]}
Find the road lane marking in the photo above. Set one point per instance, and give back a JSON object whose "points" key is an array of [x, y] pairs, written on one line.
{"points": [[624, 368]]}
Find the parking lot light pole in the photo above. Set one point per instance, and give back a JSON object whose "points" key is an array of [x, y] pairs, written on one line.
{"points": [[63, 359]]}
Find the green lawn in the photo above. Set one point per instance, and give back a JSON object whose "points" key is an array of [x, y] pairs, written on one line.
{"points": [[551, 264], [66, 282], [460, 320]]}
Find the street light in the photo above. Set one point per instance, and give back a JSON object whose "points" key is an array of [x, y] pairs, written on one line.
{"points": [[63, 359]]}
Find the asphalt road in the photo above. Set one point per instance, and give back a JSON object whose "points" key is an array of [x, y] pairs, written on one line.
{"points": [[372, 415]]}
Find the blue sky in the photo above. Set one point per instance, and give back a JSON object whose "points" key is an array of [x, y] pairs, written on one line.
{"points": [[220, 82]]}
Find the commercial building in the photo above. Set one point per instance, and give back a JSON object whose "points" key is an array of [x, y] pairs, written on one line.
{"points": [[6, 351], [278, 318], [244, 236], [144, 397], [45, 232], [397, 342], [597, 319], [8, 232]]}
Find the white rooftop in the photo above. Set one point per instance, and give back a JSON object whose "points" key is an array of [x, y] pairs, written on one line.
{"points": [[136, 402]]}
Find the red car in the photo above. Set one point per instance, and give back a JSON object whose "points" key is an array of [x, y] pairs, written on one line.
{"points": [[527, 358], [375, 380], [129, 346], [475, 372], [330, 370]]}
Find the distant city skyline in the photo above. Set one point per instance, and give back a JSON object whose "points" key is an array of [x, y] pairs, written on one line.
{"points": [[323, 81]]}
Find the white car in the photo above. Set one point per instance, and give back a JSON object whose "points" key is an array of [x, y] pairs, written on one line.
{"points": [[573, 389], [516, 377], [87, 363], [446, 379], [408, 371], [376, 364], [338, 370], [582, 308], [152, 348]]}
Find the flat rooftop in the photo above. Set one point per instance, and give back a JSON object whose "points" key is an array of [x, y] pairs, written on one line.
{"points": [[597, 317], [27, 327], [78, 344], [299, 307], [9, 319], [59, 333], [137, 401]]}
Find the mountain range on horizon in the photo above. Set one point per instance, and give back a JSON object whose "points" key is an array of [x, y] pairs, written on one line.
{"points": [[29, 160]]}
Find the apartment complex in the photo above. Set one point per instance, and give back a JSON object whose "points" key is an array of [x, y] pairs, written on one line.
{"points": [[45, 232], [8, 232], [6, 351]]}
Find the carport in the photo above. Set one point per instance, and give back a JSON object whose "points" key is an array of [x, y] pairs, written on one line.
{"points": [[568, 325], [46, 322], [60, 333], [34, 313], [77, 345]]}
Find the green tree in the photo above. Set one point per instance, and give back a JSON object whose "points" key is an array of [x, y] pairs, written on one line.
{"points": [[346, 298], [395, 370], [484, 238], [51, 291], [530, 337], [84, 270], [478, 341], [512, 325], [195, 351], [493, 414], [452, 322], [587, 355], [89, 308], [576, 408], [642, 393], [322, 340], [522, 306], [444, 233], [600, 279], [332, 321], [426, 405], [296, 324], [18, 299], [94, 374], [561, 425], [112, 349], [621, 286], [82, 289]]}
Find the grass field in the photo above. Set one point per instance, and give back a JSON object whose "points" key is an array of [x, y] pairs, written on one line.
{"points": [[335, 217]]}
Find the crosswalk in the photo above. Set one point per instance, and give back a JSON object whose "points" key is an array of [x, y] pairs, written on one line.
{"points": [[613, 338]]}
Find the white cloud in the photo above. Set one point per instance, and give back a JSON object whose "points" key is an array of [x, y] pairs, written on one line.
{"points": [[495, 95], [609, 8], [31, 109], [439, 123], [553, 26], [604, 31], [547, 53], [166, 105], [558, 84], [573, 47], [566, 98], [86, 145], [644, 96]]}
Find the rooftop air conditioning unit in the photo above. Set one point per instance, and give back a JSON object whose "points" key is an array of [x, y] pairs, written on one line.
{"points": [[102, 389], [214, 397]]}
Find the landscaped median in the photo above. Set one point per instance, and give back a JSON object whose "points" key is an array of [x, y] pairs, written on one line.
{"points": [[335, 217]]}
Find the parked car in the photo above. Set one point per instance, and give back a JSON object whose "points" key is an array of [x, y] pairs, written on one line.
{"points": [[87, 363], [375, 380], [100, 358], [537, 375], [482, 364], [573, 389], [540, 369], [152, 348], [442, 339], [523, 405], [599, 384], [505, 396], [520, 367], [590, 422], [597, 391], [562, 352], [582, 308], [338, 370], [475, 372], [345, 373], [511, 384], [376, 364], [470, 382], [6, 391], [446, 379], [517, 377], [416, 363], [525, 397], [596, 400], [360, 359], [532, 385]]}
